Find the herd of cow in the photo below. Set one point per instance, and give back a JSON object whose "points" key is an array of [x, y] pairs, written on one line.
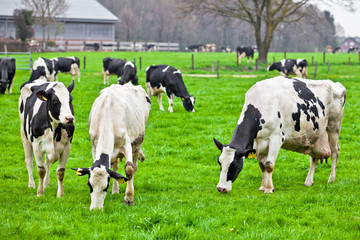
{"points": [[299, 115]]}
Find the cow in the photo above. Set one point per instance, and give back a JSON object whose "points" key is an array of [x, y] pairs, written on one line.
{"points": [[128, 73], [196, 48], [353, 50], [288, 67], [67, 65], [44, 69], [242, 52], [47, 126], [300, 115], [125, 70], [337, 50], [149, 47], [226, 49], [165, 78], [210, 47], [7, 73], [117, 128]]}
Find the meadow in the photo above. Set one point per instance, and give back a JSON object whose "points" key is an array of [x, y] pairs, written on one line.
{"points": [[175, 187]]}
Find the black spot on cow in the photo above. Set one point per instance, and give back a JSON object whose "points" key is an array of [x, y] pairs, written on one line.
{"points": [[280, 125], [279, 115]]}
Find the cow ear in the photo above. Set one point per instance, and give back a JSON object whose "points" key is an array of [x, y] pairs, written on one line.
{"points": [[218, 144], [42, 95], [71, 86], [81, 171], [120, 178]]}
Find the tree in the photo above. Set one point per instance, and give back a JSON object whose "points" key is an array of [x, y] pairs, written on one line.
{"points": [[264, 15], [23, 21], [45, 11]]}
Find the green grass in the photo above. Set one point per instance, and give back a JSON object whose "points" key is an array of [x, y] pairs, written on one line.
{"points": [[175, 188]]}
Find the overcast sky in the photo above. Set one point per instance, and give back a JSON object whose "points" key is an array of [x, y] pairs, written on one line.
{"points": [[350, 21]]}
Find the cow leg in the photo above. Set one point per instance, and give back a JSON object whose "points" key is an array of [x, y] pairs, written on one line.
{"points": [[310, 177], [171, 102], [10, 86], [262, 167], [130, 169], [104, 76], [159, 98], [141, 156], [148, 88], [115, 167], [78, 73], [41, 169], [334, 145], [28, 159], [269, 163], [47, 169], [60, 171]]}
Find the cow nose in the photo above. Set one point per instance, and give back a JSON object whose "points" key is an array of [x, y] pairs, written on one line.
{"points": [[69, 120], [222, 190]]}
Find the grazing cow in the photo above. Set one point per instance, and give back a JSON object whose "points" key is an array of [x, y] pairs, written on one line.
{"points": [[353, 50], [116, 128], [128, 73], [210, 47], [337, 50], [245, 52], [165, 78], [300, 115], [47, 126], [225, 49], [7, 73], [149, 47], [288, 67], [196, 48], [44, 69], [67, 65]]}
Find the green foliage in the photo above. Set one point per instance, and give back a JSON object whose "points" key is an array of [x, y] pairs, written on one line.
{"points": [[175, 188]]}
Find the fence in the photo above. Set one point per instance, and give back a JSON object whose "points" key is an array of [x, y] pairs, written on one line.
{"points": [[117, 46], [23, 59]]}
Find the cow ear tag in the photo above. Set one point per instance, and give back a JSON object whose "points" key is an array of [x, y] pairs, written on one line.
{"points": [[182, 99], [121, 180], [79, 173], [45, 99], [252, 155]]}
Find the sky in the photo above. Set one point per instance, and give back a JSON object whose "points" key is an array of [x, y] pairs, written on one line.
{"points": [[350, 21]]}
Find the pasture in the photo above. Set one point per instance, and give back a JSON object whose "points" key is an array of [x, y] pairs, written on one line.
{"points": [[175, 187]]}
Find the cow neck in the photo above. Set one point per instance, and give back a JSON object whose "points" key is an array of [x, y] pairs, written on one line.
{"points": [[245, 132]]}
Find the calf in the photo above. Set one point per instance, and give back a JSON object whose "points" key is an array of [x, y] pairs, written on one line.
{"points": [[44, 69], [47, 126], [116, 127], [299, 115], [288, 67], [245, 52], [165, 78], [7, 73], [67, 65]]}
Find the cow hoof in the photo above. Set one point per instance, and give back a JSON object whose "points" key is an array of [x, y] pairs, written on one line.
{"points": [[60, 195], [39, 194], [307, 184], [269, 190], [31, 185], [129, 203], [262, 188]]}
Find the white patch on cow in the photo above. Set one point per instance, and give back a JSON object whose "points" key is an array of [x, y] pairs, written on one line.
{"points": [[98, 181], [128, 63], [225, 159], [192, 99], [298, 61], [165, 69], [178, 71], [283, 62]]}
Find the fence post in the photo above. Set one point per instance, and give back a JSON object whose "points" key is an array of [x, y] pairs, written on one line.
{"points": [[274, 59], [256, 64], [312, 61], [140, 63], [135, 61], [84, 46], [349, 61], [212, 66], [285, 54], [217, 69], [323, 57], [84, 62], [315, 69], [118, 46], [192, 61]]}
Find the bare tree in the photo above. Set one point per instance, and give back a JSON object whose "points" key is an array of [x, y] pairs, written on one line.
{"points": [[45, 11], [263, 15]]}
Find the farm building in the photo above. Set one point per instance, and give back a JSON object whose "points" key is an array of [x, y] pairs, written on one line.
{"points": [[349, 43], [85, 20]]}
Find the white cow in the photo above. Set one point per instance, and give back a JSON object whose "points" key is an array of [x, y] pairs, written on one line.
{"points": [[116, 128], [294, 114]]}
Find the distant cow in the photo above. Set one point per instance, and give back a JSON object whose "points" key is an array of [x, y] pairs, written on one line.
{"points": [[44, 69], [299, 115], [245, 52], [149, 47], [353, 50], [47, 126], [7, 73], [116, 128], [196, 48], [67, 65], [125, 70], [210, 47], [225, 49], [288, 67], [165, 78]]}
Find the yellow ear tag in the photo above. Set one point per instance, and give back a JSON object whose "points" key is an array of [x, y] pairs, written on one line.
{"points": [[78, 173], [45, 99], [182, 99], [252, 155], [121, 180]]}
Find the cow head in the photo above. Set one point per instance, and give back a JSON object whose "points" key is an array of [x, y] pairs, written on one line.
{"points": [[59, 102], [3, 84], [231, 163], [99, 179], [271, 67], [128, 73], [189, 103]]}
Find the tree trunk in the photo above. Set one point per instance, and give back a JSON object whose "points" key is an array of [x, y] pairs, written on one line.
{"points": [[43, 35]]}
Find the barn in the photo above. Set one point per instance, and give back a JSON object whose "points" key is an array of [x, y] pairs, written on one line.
{"points": [[85, 20]]}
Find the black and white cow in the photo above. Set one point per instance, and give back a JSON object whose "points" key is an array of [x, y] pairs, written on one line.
{"points": [[7, 73], [288, 67], [125, 70], [242, 52], [44, 69], [196, 48], [117, 128], [128, 73], [47, 126], [67, 65], [167, 79], [300, 115]]}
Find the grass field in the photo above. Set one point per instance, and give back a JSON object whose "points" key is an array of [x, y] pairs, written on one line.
{"points": [[175, 188]]}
